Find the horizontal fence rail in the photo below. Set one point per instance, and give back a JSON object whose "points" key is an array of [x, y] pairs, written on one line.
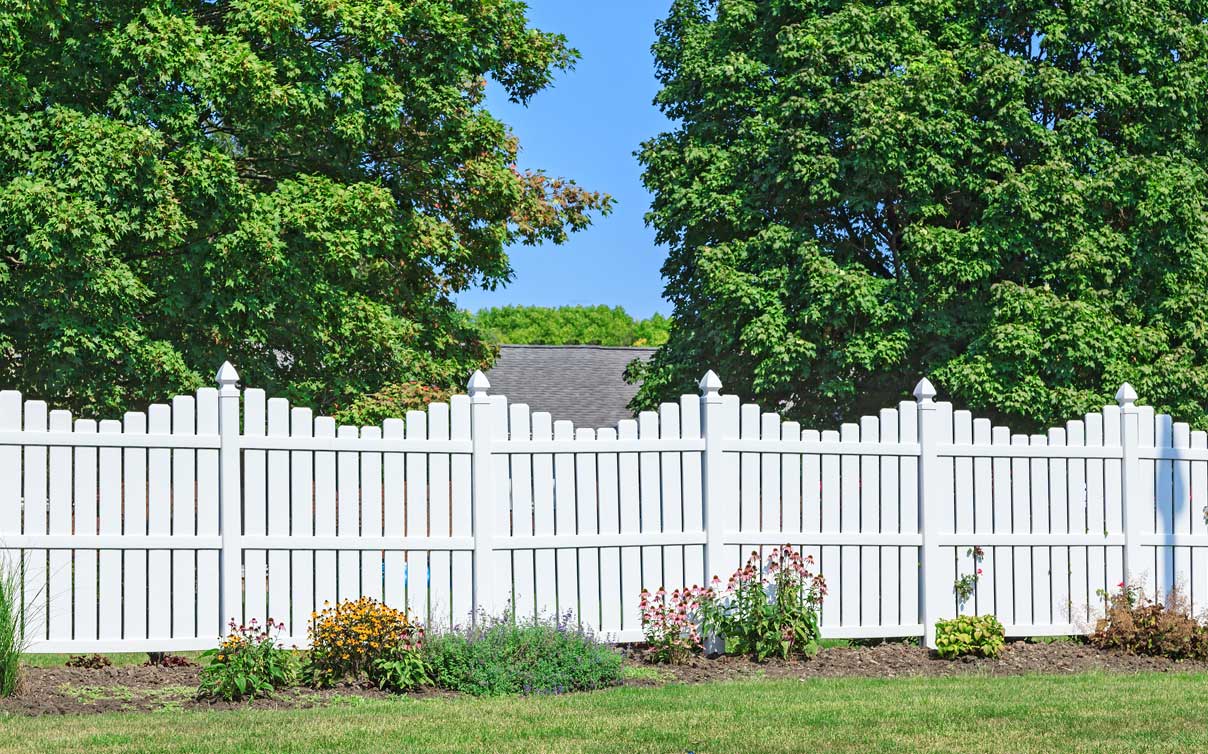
{"points": [[151, 532]]}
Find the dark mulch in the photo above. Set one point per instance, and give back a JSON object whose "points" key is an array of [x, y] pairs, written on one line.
{"points": [[896, 660], [63, 690]]}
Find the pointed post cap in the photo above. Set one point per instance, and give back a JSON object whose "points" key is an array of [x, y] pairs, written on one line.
{"points": [[710, 384], [1126, 396], [924, 391], [227, 376], [478, 384]]}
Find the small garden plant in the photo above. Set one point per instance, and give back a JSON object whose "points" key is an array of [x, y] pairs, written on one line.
{"points": [[249, 663], [767, 609], [1138, 625], [91, 662], [965, 586], [976, 635], [366, 638], [670, 623], [507, 655]]}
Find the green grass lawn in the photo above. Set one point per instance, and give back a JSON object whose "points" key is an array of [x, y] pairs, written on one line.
{"points": [[117, 658], [1085, 713]]}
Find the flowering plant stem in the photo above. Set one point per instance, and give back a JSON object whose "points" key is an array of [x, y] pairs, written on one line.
{"points": [[767, 609]]}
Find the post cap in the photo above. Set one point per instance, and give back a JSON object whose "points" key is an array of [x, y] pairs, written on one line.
{"points": [[227, 376], [1126, 396], [710, 384], [924, 391], [478, 383]]}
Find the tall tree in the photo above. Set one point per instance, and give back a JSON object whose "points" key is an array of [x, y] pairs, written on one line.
{"points": [[570, 325], [1008, 197], [297, 186]]}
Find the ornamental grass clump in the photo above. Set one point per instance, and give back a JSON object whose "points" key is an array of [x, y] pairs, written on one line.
{"points": [[506, 655], [249, 663], [670, 623], [12, 630], [767, 609], [365, 638]]}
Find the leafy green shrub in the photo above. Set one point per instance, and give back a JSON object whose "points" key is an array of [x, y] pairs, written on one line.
{"points": [[767, 609], [980, 635], [249, 663], [12, 630], [401, 668], [1139, 625], [533, 656], [391, 402], [368, 637]]}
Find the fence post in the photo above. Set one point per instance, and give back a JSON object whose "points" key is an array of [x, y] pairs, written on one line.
{"points": [[712, 485], [482, 494], [931, 586], [1130, 482], [230, 499]]}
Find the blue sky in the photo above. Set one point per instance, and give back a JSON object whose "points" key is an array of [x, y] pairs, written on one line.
{"points": [[586, 127]]}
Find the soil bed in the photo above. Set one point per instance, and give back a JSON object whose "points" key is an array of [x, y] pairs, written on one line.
{"points": [[894, 660], [63, 690]]}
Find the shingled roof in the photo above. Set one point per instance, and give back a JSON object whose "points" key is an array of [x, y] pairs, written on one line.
{"points": [[584, 384]]}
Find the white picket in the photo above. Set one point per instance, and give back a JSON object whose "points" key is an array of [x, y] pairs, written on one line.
{"points": [[325, 587], [277, 604], [460, 510], [440, 605], [545, 589], [159, 523], [394, 513], [209, 623], [85, 560], [521, 502], [417, 516], [59, 593], [302, 524], [588, 520], [35, 494], [109, 521]]}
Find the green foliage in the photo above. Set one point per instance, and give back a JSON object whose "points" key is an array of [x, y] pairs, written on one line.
{"points": [[570, 325], [1138, 625], [247, 664], [391, 402], [297, 186], [400, 668], [12, 629], [767, 609], [365, 637], [1008, 197], [506, 655], [980, 635]]}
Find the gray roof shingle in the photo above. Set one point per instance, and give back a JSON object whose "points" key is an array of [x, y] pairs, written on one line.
{"points": [[584, 384]]}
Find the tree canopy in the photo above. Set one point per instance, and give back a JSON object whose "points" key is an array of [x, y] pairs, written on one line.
{"points": [[570, 325], [297, 186], [1007, 197]]}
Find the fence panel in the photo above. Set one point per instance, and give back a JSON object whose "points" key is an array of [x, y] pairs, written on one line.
{"points": [[153, 531]]}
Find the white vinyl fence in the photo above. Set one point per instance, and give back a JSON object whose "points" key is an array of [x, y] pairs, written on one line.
{"points": [[151, 532]]}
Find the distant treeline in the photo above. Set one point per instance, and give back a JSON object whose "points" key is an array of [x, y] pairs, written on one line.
{"points": [[570, 325]]}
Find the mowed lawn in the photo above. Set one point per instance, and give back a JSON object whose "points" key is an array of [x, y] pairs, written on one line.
{"points": [[1085, 713]]}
